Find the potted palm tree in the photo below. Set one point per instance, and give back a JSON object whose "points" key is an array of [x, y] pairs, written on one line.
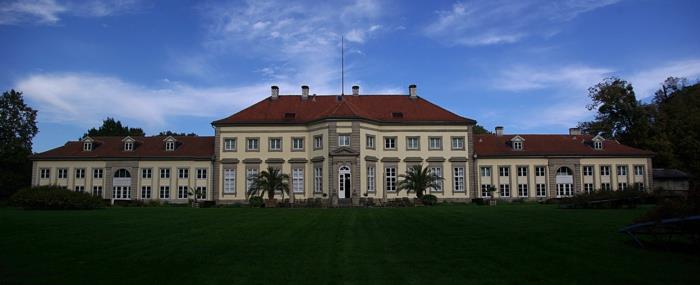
{"points": [[492, 200], [418, 179], [195, 193], [268, 181]]}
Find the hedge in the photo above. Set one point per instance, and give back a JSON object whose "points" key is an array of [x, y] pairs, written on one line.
{"points": [[54, 198]]}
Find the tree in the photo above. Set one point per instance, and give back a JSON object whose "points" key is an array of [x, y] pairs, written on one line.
{"points": [[671, 85], [269, 181], [619, 115], [480, 130], [17, 129], [175, 134], [111, 127], [418, 179]]}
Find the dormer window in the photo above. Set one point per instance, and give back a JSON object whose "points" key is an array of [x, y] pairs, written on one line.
{"points": [[397, 115], [290, 116], [598, 142], [169, 146], [128, 144], [87, 146], [517, 142]]}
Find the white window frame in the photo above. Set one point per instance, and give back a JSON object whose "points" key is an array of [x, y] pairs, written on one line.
{"points": [[80, 188], [87, 146], [413, 146], [389, 142], [343, 140], [128, 146], [183, 173], [201, 192], [606, 186], [517, 145], [201, 173], [318, 142], [622, 170], [318, 179], [604, 170], [80, 173], [147, 173], [371, 179], [390, 179], [587, 170], [598, 145], [523, 190], [275, 144], [164, 192], [437, 171], [62, 173], [97, 191], [97, 173], [504, 171], [435, 143], [370, 141], [297, 143], [182, 192], [588, 188], [298, 180], [541, 190], [504, 190], [485, 171], [622, 186], [145, 192], [230, 144], [457, 143], [639, 170], [458, 180], [485, 193], [252, 144], [540, 171], [169, 146], [165, 173], [229, 181], [45, 173], [250, 174], [522, 171]]}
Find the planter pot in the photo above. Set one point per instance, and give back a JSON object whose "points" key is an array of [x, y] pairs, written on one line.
{"points": [[195, 204], [270, 203], [418, 202], [492, 202]]}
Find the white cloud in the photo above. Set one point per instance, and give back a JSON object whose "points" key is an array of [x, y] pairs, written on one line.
{"points": [[477, 23], [85, 99], [648, 81], [575, 78], [41, 11], [48, 12]]}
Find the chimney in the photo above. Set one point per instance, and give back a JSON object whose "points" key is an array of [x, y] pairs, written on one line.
{"points": [[304, 92], [412, 91], [275, 92], [574, 131], [499, 131], [355, 90]]}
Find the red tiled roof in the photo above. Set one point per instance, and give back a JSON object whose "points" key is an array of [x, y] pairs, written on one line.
{"points": [[318, 107], [556, 145], [144, 147]]}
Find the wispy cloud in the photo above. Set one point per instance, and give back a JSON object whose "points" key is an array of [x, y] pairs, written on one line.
{"points": [[85, 99], [524, 78], [478, 23], [49, 12], [646, 82]]}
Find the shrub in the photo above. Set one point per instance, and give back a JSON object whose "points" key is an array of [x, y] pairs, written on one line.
{"points": [[603, 200], [479, 201], [255, 202], [54, 198], [429, 200]]}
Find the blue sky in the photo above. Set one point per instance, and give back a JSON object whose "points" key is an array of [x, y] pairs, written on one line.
{"points": [[178, 65]]}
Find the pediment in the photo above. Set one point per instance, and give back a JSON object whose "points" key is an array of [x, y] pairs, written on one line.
{"points": [[344, 151]]}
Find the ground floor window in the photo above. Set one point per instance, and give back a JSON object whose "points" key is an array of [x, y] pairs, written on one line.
{"points": [[437, 171], [251, 174], [522, 190], [318, 179], [298, 180], [485, 190], [605, 187], [390, 174], [459, 179], [201, 192], [640, 186], [622, 186], [505, 190], [121, 192], [588, 187], [80, 189], [97, 191], [146, 192], [164, 192], [182, 192], [541, 190], [371, 186], [564, 190], [229, 181]]}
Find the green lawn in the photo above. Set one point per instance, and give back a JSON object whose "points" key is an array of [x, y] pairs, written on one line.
{"points": [[507, 244]]}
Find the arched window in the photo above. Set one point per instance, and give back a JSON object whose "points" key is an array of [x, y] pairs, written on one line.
{"points": [[564, 171], [122, 173]]}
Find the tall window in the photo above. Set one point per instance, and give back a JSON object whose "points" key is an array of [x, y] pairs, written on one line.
{"points": [[252, 144], [622, 186], [539, 171], [275, 144], [318, 142], [605, 187], [605, 170], [588, 170], [183, 173], [146, 173], [564, 190], [182, 192], [62, 173], [165, 173], [370, 141], [588, 187], [97, 191], [522, 171], [504, 171], [435, 143], [229, 181], [201, 192], [437, 171], [390, 143], [485, 171], [485, 190], [80, 173], [201, 173], [145, 192], [390, 174], [45, 173], [541, 190], [318, 179], [298, 144], [522, 190], [230, 144], [505, 190], [371, 186], [344, 140], [640, 186], [251, 174], [622, 170], [97, 173], [164, 192], [412, 143], [80, 189], [639, 170], [458, 173], [457, 143], [298, 180]]}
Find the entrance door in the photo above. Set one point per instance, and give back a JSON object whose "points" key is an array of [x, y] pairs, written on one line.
{"points": [[344, 182]]}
